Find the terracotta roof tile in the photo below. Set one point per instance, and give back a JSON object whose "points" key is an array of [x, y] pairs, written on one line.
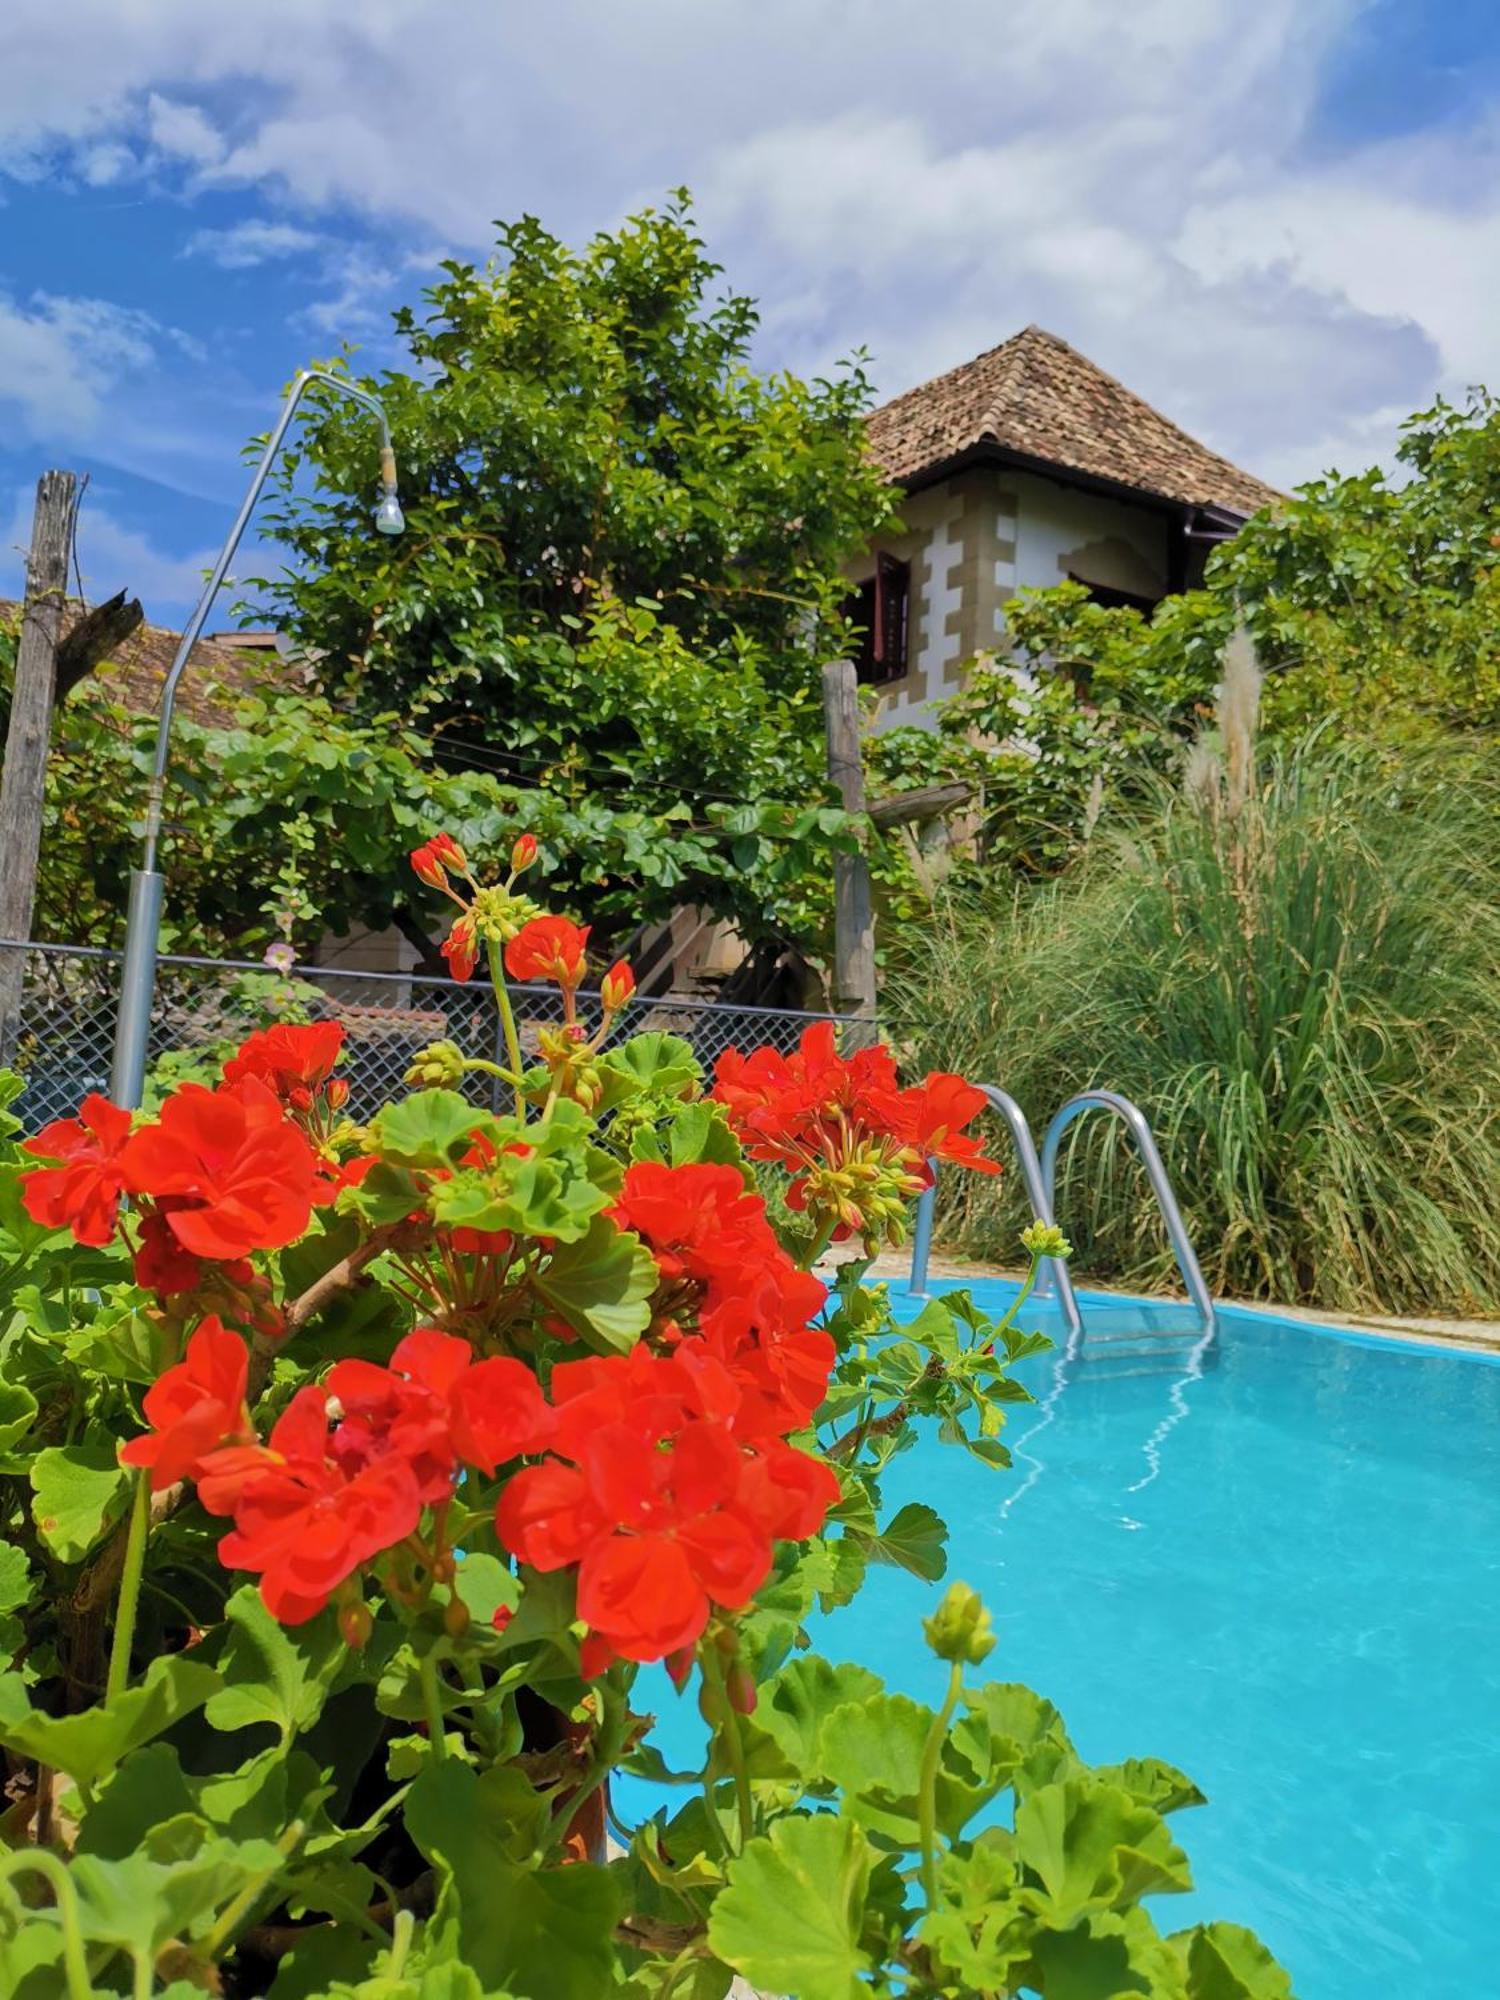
{"points": [[1039, 398], [216, 673]]}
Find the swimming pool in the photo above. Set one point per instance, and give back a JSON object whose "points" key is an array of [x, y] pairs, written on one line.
{"points": [[1283, 1574]]}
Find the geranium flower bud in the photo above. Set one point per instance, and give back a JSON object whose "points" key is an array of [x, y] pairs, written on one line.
{"points": [[455, 1618], [523, 853], [440, 1066], [616, 986], [741, 1691], [679, 1665], [355, 1623], [1045, 1239], [960, 1628]]}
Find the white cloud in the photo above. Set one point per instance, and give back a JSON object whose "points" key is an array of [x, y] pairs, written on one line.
{"points": [[112, 556], [245, 244], [1134, 177], [60, 357], [182, 131]]}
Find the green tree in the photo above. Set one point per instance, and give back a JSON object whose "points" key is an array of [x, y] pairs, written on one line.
{"points": [[621, 570]]}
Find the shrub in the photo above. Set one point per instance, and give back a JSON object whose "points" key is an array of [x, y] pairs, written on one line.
{"points": [[498, 1409], [1300, 986]]}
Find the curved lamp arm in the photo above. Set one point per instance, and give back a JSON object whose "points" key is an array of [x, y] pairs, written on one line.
{"points": [[143, 912]]}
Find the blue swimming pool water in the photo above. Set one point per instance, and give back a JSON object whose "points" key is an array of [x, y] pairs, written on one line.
{"points": [[1283, 1574]]}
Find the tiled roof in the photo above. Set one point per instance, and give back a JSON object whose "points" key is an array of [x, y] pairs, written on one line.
{"points": [[217, 672], [1035, 396]]}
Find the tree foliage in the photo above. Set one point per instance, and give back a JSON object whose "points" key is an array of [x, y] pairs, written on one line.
{"points": [[620, 573], [1372, 599]]}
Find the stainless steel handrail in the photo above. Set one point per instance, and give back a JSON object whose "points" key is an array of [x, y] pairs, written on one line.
{"points": [[1041, 1208], [1134, 1121]]}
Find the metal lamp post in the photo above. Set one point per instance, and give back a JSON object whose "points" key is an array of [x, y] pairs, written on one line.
{"points": [[143, 912]]}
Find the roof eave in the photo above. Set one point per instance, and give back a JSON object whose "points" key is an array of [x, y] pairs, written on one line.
{"points": [[988, 452]]}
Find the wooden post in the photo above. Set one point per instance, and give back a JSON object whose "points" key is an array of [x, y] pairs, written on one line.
{"points": [[24, 777], [853, 920]]}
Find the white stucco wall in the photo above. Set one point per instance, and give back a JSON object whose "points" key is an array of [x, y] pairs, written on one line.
{"points": [[1004, 531]]}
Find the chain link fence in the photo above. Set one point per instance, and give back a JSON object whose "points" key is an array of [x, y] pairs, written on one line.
{"points": [[65, 1037]]}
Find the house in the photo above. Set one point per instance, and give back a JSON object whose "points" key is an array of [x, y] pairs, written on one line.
{"points": [[1024, 467]]}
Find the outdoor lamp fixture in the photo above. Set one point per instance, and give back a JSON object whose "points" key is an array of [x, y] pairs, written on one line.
{"points": [[143, 911]]}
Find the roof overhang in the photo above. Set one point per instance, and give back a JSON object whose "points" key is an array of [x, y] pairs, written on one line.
{"points": [[988, 452]]}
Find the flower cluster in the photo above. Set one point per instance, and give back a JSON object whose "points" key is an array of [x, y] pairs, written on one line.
{"points": [[855, 1143], [662, 1489], [220, 1174], [349, 1465], [726, 1280]]}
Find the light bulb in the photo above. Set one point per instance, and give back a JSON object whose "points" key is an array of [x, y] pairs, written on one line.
{"points": [[389, 519]]}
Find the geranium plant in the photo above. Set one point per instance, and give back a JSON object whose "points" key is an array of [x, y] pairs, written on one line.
{"points": [[353, 1475]]}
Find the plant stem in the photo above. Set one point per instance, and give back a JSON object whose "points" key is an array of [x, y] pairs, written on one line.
{"points": [[46, 1864], [432, 1701], [245, 1901], [819, 1243], [507, 1021], [1021, 1296], [734, 1743], [130, 1586], [932, 1750], [488, 1068], [608, 1738], [401, 1936]]}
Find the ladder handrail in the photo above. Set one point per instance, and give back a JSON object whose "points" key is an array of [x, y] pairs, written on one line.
{"points": [[1134, 1120], [1032, 1180]]}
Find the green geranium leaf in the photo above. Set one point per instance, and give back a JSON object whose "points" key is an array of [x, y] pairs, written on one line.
{"points": [[15, 1576], [92, 1742], [554, 1184], [172, 1887], [653, 1064], [914, 1539], [546, 1934], [17, 1413], [602, 1285], [386, 1194], [793, 1707], [1092, 1848], [1226, 1962], [700, 1133], [80, 1491], [431, 1128], [1010, 1728], [790, 1915], [1151, 1782], [272, 1674], [872, 1750]]}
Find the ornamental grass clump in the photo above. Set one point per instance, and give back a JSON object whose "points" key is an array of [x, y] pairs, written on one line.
{"points": [[1292, 964], [352, 1474]]}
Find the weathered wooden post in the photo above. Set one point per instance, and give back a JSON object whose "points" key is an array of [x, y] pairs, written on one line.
{"points": [[853, 917], [23, 780]]}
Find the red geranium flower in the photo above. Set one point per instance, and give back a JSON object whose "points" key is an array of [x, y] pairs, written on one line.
{"points": [[856, 1144], [83, 1192], [435, 857], [433, 1406], [194, 1408], [616, 987], [654, 1496], [244, 1172], [461, 948], [300, 1519], [548, 948], [295, 1062]]}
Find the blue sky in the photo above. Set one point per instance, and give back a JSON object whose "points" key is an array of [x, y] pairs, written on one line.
{"points": [[1280, 222]]}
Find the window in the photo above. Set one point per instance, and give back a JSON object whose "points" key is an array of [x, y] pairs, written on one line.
{"points": [[1110, 599], [878, 610]]}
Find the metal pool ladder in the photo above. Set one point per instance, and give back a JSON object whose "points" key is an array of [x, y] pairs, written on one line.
{"points": [[1039, 1177]]}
